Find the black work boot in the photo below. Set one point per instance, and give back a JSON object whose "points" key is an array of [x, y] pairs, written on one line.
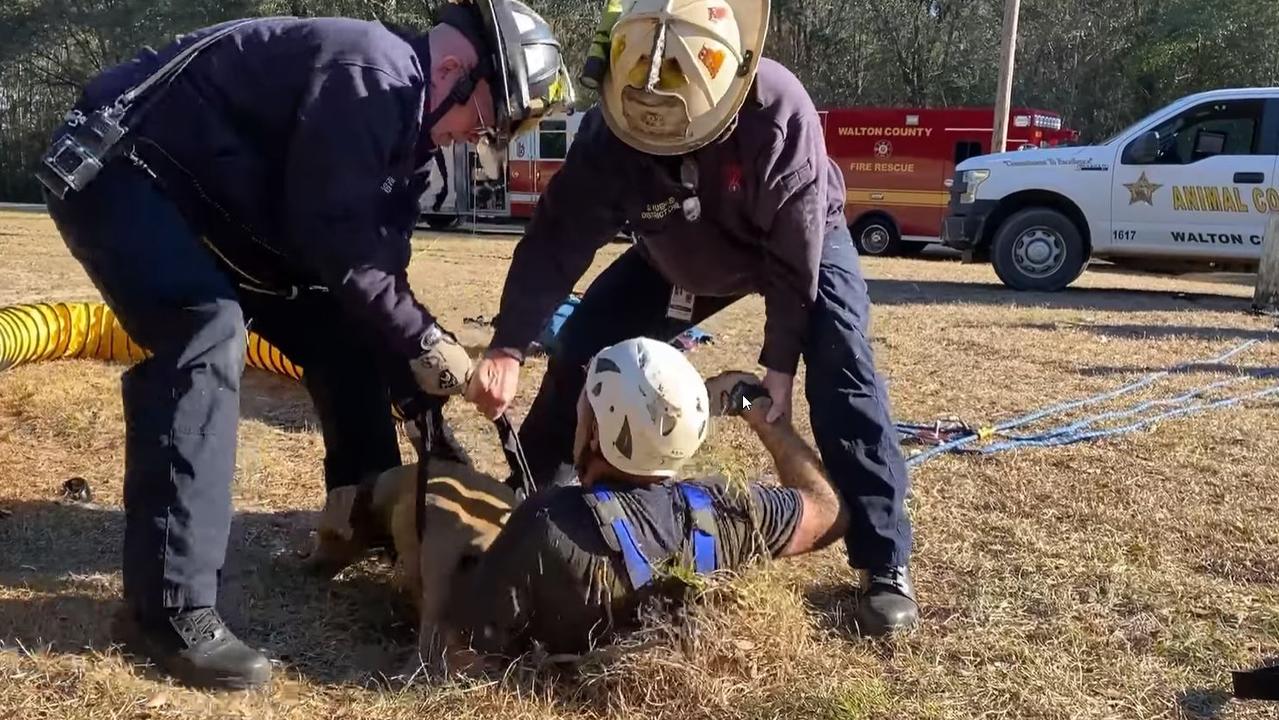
{"points": [[887, 602], [197, 648]]}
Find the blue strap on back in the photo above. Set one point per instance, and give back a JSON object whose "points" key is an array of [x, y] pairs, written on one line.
{"points": [[637, 566], [700, 537], [618, 530]]}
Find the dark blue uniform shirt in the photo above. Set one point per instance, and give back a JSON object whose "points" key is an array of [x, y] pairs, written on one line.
{"points": [[298, 143], [768, 196]]}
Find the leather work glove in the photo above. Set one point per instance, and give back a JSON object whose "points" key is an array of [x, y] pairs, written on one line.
{"points": [[733, 392], [444, 367]]}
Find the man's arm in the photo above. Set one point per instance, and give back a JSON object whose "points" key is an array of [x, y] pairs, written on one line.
{"points": [[794, 211], [576, 215], [353, 125], [823, 519]]}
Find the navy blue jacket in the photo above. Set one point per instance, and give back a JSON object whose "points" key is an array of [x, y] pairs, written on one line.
{"points": [[768, 193], [297, 146]]}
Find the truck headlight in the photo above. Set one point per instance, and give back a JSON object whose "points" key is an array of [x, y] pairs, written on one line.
{"points": [[972, 180]]}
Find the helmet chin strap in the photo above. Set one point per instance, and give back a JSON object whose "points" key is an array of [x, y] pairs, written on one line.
{"points": [[467, 23], [461, 92]]}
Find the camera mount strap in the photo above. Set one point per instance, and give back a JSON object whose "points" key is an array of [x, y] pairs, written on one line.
{"points": [[177, 64], [76, 157]]}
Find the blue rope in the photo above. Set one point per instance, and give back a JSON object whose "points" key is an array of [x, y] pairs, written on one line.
{"points": [[1128, 412], [1069, 439], [952, 446], [1071, 433], [1112, 394]]}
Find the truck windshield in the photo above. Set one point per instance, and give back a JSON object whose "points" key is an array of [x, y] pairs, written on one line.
{"points": [[1139, 123]]}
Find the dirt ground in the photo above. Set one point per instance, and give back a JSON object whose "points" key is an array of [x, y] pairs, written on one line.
{"points": [[1121, 578]]}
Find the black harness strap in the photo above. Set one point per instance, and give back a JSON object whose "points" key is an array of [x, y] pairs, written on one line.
{"points": [[429, 420], [515, 454], [427, 413]]}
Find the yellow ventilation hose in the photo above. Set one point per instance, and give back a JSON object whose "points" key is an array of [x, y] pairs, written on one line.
{"points": [[56, 331]]}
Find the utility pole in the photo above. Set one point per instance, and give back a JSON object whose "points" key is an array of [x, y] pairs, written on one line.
{"points": [[1265, 297], [1007, 51]]}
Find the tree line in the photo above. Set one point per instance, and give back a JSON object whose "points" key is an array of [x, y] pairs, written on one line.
{"points": [[1100, 63]]}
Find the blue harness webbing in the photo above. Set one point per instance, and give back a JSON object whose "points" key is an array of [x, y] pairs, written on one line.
{"points": [[619, 534], [700, 536]]}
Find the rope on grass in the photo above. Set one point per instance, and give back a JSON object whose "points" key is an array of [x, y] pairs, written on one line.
{"points": [[960, 440]]}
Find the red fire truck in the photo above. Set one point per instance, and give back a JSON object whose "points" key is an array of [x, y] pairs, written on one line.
{"points": [[477, 194], [898, 162]]}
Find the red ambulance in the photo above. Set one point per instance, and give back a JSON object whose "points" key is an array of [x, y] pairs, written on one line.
{"points": [[898, 164]]}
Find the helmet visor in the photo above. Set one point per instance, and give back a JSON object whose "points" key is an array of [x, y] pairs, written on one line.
{"points": [[530, 80]]}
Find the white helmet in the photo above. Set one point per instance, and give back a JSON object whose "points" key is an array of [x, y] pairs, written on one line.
{"points": [[650, 404], [679, 70]]}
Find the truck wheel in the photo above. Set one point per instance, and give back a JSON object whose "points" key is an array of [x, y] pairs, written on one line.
{"points": [[877, 237], [1038, 249]]}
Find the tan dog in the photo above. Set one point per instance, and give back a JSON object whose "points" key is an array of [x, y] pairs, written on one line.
{"points": [[464, 511]]}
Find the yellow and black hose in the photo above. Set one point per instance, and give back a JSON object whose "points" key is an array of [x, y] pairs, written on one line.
{"points": [[57, 331]]}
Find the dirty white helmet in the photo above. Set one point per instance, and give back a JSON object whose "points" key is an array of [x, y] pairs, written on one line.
{"points": [[650, 405], [679, 70]]}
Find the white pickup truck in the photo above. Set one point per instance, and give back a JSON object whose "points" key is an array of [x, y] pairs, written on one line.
{"points": [[1187, 188]]}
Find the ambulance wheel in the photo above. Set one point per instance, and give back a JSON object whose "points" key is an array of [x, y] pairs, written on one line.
{"points": [[876, 236], [441, 222], [1038, 249]]}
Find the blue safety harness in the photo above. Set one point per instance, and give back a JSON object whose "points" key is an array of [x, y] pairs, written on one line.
{"points": [[619, 534]]}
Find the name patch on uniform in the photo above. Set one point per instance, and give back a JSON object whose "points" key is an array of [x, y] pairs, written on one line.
{"points": [[681, 304], [659, 210]]}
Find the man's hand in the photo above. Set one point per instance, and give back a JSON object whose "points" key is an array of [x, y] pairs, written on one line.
{"points": [[779, 386], [443, 368], [494, 382], [726, 392], [756, 416]]}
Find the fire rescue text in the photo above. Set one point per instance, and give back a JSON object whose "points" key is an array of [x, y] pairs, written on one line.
{"points": [[893, 167]]}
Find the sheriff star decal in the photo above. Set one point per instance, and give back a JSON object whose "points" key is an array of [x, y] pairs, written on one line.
{"points": [[1142, 191]]}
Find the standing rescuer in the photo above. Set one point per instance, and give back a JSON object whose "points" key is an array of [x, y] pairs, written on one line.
{"points": [[267, 172], [715, 158]]}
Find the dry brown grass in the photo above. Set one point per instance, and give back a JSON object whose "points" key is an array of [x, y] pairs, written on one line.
{"points": [[1120, 579]]}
